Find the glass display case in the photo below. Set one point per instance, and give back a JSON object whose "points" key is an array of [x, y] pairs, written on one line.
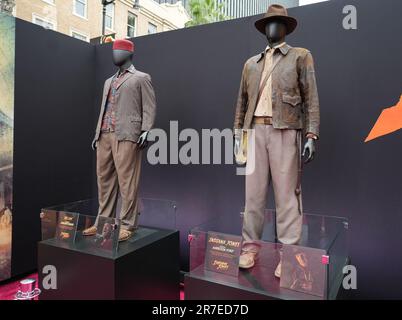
{"points": [[63, 225], [98, 266], [311, 270]]}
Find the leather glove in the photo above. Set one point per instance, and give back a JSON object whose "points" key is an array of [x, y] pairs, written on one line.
{"points": [[309, 148], [143, 140]]}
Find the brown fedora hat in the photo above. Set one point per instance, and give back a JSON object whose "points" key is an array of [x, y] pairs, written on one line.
{"points": [[276, 11]]}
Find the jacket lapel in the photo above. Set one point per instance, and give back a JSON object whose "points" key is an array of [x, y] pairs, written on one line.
{"points": [[105, 94], [108, 84], [259, 70], [130, 72], [126, 77]]}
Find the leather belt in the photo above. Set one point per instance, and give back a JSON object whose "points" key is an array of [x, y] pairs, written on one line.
{"points": [[107, 130], [262, 120]]}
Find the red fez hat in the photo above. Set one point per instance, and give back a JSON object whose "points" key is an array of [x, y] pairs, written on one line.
{"points": [[123, 45]]}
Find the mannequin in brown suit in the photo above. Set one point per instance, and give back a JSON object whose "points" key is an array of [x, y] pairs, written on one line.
{"points": [[126, 117]]}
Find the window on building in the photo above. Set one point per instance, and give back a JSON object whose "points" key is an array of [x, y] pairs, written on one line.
{"points": [[80, 8], [152, 28], [109, 18], [45, 23], [79, 35], [131, 22]]}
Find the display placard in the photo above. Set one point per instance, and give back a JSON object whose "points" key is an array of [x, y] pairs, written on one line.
{"points": [[67, 227], [48, 224], [107, 235], [303, 270], [223, 253]]}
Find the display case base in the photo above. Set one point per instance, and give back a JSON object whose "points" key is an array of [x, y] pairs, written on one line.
{"points": [[145, 267], [201, 284]]}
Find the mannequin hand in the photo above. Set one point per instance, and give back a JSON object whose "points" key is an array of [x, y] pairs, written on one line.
{"points": [[237, 138], [237, 133], [143, 140], [310, 148], [94, 145]]}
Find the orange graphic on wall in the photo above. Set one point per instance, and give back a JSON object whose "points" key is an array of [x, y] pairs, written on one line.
{"points": [[390, 120]]}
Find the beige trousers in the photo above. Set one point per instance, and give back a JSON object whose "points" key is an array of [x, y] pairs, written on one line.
{"points": [[276, 159], [118, 168]]}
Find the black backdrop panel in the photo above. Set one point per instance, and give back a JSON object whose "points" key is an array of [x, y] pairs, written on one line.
{"points": [[196, 74], [52, 137]]}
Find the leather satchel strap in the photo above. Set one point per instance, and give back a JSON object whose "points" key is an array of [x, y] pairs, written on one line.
{"points": [[264, 82], [299, 169]]}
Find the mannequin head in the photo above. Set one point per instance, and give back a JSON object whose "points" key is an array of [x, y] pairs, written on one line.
{"points": [[122, 57], [123, 51], [275, 31], [276, 24]]}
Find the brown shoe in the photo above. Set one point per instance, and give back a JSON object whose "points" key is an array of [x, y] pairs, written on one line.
{"points": [[247, 260], [278, 270], [125, 235], [91, 231]]}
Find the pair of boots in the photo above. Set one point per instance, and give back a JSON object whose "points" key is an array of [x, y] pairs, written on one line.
{"points": [[248, 258], [124, 234]]}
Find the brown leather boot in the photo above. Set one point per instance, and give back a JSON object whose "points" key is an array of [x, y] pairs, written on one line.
{"points": [[278, 270], [91, 231], [247, 260], [125, 235]]}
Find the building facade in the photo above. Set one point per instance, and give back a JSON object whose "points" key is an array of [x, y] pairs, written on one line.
{"points": [[244, 8], [83, 19]]}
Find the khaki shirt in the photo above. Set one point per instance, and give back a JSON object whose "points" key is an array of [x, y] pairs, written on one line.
{"points": [[264, 107]]}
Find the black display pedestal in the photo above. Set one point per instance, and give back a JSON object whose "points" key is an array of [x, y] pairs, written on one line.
{"points": [[145, 267]]}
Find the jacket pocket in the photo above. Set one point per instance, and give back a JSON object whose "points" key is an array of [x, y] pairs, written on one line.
{"points": [[292, 100], [134, 126]]}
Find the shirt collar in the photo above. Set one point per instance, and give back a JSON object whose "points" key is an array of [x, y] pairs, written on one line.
{"points": [[283, 48], [276, 47], [131, 70]]}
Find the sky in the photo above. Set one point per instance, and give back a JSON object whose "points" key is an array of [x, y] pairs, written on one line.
{"points": [[303, 2]]}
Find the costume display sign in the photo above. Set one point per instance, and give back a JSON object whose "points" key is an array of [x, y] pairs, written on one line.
{"points": [[107, 235], [7, 62], [48, 224], [67, 227], [303, 270], [222, 253]]}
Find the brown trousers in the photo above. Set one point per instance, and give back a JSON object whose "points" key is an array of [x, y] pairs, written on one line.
{"points": [[118, 168], [276, 159]]}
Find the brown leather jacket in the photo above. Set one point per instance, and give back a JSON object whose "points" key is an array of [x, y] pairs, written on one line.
{"points": [[295, 103]]}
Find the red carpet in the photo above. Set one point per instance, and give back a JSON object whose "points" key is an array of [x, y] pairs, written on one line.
{"points": [[8, 291]]}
